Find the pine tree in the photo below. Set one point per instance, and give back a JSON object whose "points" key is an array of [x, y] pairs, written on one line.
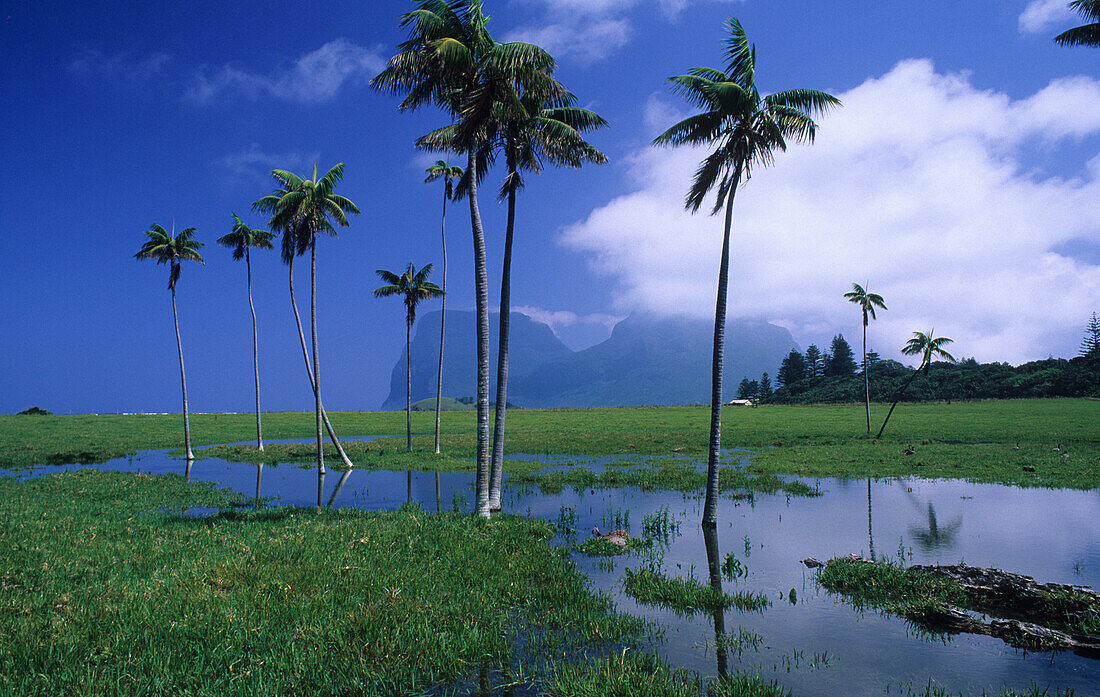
{"points": [[841, 360], [743, 389], [765, 386], [1090, 347], [793, 369], [754, 389], [873, 357], [814, 362]]}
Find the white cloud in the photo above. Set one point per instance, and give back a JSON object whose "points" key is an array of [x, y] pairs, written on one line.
{"points": [[251, 164], [558, 319], [589, 30], [1039, 15], [121, 68], [314, 77], [920, 187]]}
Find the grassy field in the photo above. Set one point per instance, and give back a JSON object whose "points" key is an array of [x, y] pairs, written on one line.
{"points": [[971, 440]]}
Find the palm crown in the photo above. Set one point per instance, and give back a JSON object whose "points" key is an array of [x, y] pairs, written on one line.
{"points": [[165, 248], [866, 301], [747, 127], [304, 208], [448, 173], [413, 285], [243, 237], [1087, 34], [928, 347]]}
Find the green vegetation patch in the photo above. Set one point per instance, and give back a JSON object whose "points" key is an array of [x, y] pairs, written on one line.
{"points": [[108, 588], [600, 547], [686, 595], [643, 675]]}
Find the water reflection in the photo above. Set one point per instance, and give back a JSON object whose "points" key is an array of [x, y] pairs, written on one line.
{"points": [[870, 535], [714, 567], [930, 536], [259, 478], [339, 486]]}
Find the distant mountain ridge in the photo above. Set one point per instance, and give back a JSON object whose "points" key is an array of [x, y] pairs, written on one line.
{"points": [[646, 360]]}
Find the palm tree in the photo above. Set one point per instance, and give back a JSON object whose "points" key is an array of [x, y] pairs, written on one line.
{"points": [[451, 60], [414, 286], [441, 170], [748, 129], [173, 249], [241, 240], [304, 209], [1085, 35], [928, 347], [867, 302], [545, 127]]}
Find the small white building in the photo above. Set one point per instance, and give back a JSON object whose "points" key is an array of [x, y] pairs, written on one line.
{"points": [[740, 403]]}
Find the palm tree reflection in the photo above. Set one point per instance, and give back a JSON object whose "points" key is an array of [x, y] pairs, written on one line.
{"points": [[932, 536], [710, 538]]}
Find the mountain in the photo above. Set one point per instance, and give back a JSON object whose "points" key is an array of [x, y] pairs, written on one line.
{"points": [[646, 360]]}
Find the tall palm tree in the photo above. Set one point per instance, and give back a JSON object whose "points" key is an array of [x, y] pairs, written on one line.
{"points": [[241, 240], [451, 60], [448, 173], [929, 347], [1087, 34], [545, 127], [413, 286], [172, 249], [748, 129], [867, 303], [304, 209]]}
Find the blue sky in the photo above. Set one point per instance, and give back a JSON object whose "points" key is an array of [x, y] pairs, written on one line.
{"points": [[960, 181]]}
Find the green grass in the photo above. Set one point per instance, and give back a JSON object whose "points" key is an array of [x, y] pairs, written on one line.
{"points": [[969, 440], [599, 547], [686, 595], [642, 675], [106, 588]]}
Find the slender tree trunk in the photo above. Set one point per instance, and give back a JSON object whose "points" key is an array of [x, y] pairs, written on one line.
{"points": [[438, 495], [482, 299], [897, 397], [408, 388], [255, 351], [497, 473], [866, 380], [183, 381], [408, 486], [309, 371], [710, 539], [259, 478], [710, 507], [316, 368], [442, 319]]}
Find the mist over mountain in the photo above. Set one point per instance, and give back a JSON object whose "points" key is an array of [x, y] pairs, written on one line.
{"points": [[646, 360]]}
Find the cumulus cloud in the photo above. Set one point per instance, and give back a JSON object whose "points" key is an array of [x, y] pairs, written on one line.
{"points": [[124, 68], [1040, 15], [252, 165], [314, 77], [922, 186], [589, 30]]}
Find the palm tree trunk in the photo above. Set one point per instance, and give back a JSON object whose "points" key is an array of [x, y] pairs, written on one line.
{"points": [[482, 300], [497, 473], [309, 371], [255, 351], [259, 477], [866, 380], [316, 367], [710, 540], [408, 388], [710, 507], [442, 319], [897, 397], [183, 381]]}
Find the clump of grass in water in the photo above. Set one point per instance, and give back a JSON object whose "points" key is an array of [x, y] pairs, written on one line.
{"points": [[567, 521], [732, 568], [661, 526], [644, 674], [886, 586], [600, 547], [686, 595], [932, 690]]}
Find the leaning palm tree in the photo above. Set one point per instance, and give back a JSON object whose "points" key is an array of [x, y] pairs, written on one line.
{"points": [[1087, 34], [448, 173], [413, 286], [304, 209], [173, 249], [928, 347], [241, 240], [451, 60], [748, 129], [867, 303]]}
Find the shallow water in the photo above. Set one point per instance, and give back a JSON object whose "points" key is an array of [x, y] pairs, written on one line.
{"points": [[815, 645]]}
